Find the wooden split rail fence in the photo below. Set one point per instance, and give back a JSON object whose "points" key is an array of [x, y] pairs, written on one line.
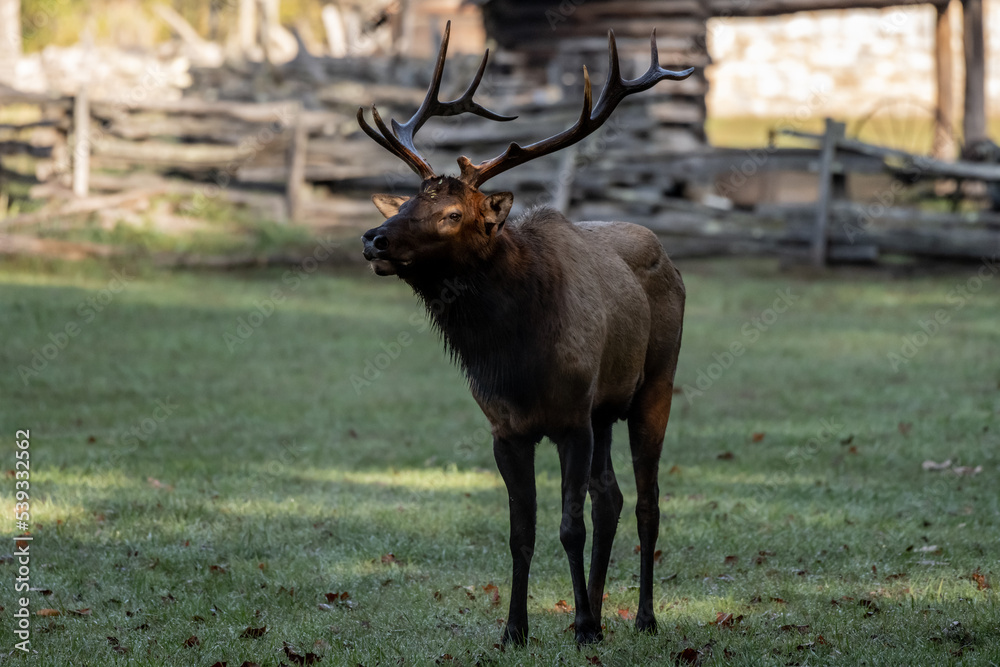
{"points": [[237, 150]]}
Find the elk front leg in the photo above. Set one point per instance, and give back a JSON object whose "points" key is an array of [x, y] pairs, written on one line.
{"points": [[516, 462], [575, 453]]}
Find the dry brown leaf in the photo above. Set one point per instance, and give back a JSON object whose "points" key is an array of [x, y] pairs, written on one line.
{"points": [[688, 656], [48, 612], [157, 484], [626, 614], [980, 579], [191, 642], [757, 437], [563, 607], [731, 560], [726, 456], [253, 633]]}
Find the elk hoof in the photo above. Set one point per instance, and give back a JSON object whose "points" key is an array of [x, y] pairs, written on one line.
{"points": [[514, 636], [589, 633], [646, 624]]}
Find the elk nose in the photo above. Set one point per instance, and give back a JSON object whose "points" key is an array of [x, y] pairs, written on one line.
{"points": [[380, 242]]}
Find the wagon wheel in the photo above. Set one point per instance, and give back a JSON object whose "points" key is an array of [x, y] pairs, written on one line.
{"points": [[907, 125], [903, 124]]}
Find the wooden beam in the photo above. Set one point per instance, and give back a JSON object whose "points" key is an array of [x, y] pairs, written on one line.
{"points": [[944, 116], [777, 7], [974, 122]]}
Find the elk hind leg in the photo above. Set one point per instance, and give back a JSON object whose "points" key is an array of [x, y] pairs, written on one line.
{"points": [[647, 424]]}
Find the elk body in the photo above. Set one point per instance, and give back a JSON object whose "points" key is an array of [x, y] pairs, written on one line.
{"points": [[562, 329]]}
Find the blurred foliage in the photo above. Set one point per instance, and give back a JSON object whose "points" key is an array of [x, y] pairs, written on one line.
{"points": [[132, 23]]}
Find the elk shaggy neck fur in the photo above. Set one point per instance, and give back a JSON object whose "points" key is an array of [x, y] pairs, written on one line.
{"points": [[555, 318]]}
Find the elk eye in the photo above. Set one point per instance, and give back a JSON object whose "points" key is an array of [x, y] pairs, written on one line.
{"points": [[456, 216]]}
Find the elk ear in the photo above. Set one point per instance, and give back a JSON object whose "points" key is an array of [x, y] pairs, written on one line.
{"points": [[496, 207], [388, 205]]}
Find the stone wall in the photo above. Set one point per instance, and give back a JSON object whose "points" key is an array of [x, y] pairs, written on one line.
{"points": [[842, 63]]}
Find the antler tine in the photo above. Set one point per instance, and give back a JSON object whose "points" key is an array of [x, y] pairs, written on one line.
{"points": [[399, 140], [615, 90]]}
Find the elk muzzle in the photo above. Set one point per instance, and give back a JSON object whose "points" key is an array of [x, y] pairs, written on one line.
{"points": [[376, 251]]}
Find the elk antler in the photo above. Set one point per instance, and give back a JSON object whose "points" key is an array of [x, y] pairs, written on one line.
{"points": [[399, 141], [615, 90]]}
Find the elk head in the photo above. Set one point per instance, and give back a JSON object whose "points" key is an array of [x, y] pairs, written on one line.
{"points": [[450, 222]]}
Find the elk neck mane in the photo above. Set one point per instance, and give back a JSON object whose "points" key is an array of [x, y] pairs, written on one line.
{"points": [[504, 314]]}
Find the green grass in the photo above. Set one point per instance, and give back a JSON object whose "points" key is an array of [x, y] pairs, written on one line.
{"points": [[273, 482]]}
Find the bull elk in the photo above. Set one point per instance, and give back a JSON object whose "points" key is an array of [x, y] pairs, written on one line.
{"points": [[562, 330]]}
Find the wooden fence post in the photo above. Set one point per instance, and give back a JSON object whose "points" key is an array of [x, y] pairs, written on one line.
{"points": [[974, 124], [834, 133], [296, 160], [81, 144]]}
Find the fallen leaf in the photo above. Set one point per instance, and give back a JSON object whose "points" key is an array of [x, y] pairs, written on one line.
{"points": [[253, 633], [778, 600], [626, 614], [731, 560], [594, 660], [807, 645], [674, 470], [221, 664], [904, 427], [852, 449], [898, 575], [48, 612], [307, 659], [801, 629], [494, 594], [563, 607], [967, 470], [218, 569], [726, 620], [688, 656], [757, 437], [980, 579], [157, 484], [389, 559], [80, 612], [657, 555], [726, 456], [931, 465], [191, 642]]}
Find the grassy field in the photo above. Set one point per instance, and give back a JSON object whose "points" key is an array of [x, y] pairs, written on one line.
{"points": [[230, 468]]}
